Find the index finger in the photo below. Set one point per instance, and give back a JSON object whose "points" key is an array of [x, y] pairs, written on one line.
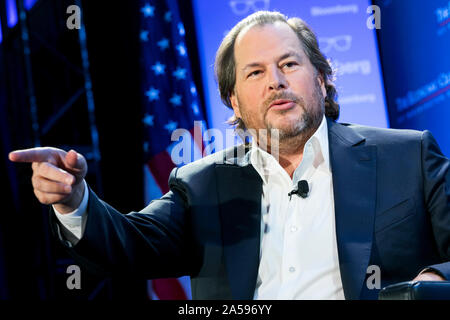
{"points": [[30, 155]]}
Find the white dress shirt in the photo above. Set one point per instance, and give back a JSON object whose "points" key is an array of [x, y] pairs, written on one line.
{"points": [[298, 257], [74, 222]]}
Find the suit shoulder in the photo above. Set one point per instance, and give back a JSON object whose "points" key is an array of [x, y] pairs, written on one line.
{"points": [[386, 135], [235, 155]]}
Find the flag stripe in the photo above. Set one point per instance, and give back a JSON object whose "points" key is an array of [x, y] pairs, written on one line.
{"points": [[170, 102], [160, 166], [168, 289]]}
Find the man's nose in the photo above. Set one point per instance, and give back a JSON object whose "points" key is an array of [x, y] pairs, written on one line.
{"points": [[277, 80]]}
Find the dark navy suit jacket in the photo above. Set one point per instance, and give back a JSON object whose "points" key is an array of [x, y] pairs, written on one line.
{"points": [[392, 209]]}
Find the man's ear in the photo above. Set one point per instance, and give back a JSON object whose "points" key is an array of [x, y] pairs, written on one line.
{"points": [[322, 84], [235, 105]]}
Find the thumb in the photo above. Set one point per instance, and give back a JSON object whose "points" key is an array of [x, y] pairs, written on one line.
{"points": [[75, 163], [72, 159]]}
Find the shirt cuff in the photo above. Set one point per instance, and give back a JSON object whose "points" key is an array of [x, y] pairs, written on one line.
{"points": [[80, 210], [73, 221]]}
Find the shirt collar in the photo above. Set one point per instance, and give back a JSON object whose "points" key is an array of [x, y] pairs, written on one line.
{"points": [[315, 153]]}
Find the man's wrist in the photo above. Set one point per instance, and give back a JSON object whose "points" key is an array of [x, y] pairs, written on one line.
{"points": [[79, 205]]}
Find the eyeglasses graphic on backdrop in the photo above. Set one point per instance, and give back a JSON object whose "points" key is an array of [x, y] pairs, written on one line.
{"points": [[241, 7], [338, 43]]}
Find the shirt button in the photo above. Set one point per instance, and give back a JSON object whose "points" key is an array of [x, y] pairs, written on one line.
{"points": [[291, 269], [294, 228]]}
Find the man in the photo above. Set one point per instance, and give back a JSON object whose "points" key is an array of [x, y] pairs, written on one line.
{"points": [[374, 197]]}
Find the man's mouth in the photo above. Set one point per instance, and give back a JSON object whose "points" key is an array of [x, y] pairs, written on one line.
{"points": [[282, 104]]}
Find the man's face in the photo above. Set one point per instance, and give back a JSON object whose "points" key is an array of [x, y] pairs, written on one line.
{"points": [[276, 86]]}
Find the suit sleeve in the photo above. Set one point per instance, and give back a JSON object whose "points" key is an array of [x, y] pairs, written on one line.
{"points": [[152, 243], [436, 179]]}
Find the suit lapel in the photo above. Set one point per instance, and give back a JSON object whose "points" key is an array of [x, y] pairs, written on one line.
{"points": [[353, 164], [240, 189]]}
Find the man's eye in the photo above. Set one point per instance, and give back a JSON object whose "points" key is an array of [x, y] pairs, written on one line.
{"points": [[254, 73], [289, 64]]}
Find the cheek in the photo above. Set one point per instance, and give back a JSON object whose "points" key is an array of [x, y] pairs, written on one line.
{"points": [[303, 86], [251, 97]]}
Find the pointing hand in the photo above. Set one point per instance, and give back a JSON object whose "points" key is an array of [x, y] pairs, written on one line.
{"points": [[57, 176]]}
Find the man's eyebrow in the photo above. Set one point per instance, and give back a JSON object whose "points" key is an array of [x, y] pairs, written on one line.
{"points": [[251, 65], [282, 57], [290, 54]]}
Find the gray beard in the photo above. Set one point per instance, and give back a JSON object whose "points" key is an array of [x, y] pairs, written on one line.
{"points": [[301, 131], [305, 127]]}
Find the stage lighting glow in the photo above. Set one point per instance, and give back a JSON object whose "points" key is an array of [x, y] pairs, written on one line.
{"points": [[11, 13], [28, 4]]}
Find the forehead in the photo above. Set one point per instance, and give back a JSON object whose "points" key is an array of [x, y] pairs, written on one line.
{"points": [[262, 42]]}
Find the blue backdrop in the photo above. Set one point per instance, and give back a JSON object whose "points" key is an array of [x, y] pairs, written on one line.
{"points": [[415, 52], [343, 36]]}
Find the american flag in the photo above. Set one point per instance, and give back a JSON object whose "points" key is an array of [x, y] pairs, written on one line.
{"points": [[170, 102]]}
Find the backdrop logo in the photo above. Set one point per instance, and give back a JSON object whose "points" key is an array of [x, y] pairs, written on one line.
{"points": [[443, 19], [338, 43], [418, 100], [362, 67], [338, 9], [358, 98], [443, 14], [242, 7], [429, 91]]}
